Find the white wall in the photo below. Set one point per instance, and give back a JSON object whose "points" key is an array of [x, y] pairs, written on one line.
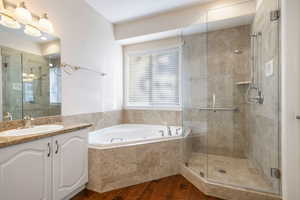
{"points": [[290, 99], [152, 45], [86, 40], [50, 48], [210, 12]]}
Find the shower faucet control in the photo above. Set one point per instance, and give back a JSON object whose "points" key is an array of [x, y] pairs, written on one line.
{"points": [[259, 99]]}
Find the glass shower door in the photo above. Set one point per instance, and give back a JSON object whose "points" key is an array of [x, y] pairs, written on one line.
{"points": [[195, 96], [11, 83]]}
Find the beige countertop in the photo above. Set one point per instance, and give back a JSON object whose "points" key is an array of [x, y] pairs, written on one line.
{"points": [[6, 141]]}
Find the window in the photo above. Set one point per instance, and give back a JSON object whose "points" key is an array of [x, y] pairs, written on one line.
{"points": [[55, 85], [28, 92], [153, 79]]}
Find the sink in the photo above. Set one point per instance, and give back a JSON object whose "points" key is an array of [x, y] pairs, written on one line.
{"points": [[33, 130]]}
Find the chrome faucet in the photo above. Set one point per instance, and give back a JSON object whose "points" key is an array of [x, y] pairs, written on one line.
{"points": [[28, 121], [162, 133], [7, 116], [169, 130]]}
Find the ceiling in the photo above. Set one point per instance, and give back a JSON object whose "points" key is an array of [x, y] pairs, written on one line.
{"points": [[117, 11]]}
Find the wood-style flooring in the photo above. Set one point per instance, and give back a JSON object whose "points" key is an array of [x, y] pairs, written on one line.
{"points": [[170, 188]]}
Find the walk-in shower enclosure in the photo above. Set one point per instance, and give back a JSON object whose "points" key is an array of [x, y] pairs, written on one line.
{"points": [[230, 89]]}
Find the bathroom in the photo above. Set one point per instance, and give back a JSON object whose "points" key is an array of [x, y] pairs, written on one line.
{"points": [[193, 99]]}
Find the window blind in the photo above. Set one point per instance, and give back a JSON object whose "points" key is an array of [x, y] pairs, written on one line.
{"points": [[55, 85], [153, 79]]}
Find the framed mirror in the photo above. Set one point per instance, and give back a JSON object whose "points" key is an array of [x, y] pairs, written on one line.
{"points": [[30, 75]]}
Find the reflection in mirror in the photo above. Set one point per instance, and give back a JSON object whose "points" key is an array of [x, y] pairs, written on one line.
{"points": [[30, 73]]}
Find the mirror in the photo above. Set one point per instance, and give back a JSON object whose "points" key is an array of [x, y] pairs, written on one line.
{"points": [[30, 75]]}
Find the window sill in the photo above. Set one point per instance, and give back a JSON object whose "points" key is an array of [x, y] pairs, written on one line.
{"points": [[152, 108]]}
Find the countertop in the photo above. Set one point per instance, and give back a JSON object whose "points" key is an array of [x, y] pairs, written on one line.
{"points": [[6, 141]]}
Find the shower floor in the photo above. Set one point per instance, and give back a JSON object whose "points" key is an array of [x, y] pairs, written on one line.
{"points": [[229, 170]]}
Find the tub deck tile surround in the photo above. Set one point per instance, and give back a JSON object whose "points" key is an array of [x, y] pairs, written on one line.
{"points": [[170, 188], [119, 167]]}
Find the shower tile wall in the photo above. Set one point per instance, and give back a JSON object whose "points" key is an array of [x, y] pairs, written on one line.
{"points": [[263, 119], [221, 133]]}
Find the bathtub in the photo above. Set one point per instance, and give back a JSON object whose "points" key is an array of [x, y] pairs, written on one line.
{"points": [[130, 134]]}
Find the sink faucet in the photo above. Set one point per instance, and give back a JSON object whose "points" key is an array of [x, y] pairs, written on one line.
{"points": [[28, 121], [7, 116]]}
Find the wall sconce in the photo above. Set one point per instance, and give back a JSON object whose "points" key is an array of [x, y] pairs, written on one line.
{"points": [[22, 14]]}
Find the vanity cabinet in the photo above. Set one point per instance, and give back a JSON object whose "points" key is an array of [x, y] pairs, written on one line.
{"points": [[70, 163], [25, 171], [48, 169]]}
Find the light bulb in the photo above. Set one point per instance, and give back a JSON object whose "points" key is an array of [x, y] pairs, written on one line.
{"points": [[32, 31], [45, 24], [9, 22], [22, 14]]}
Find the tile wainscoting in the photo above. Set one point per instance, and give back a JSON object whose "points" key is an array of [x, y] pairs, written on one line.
{"points": [[157, 117]]}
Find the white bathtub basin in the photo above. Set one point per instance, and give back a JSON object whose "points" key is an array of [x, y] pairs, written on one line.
{"points": [[33, 130], [126, 134]]}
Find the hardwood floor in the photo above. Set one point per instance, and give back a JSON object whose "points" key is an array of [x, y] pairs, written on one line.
{"points": [[170, 188]]}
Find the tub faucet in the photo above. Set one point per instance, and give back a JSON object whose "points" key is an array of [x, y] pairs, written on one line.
{"points": [[169, 131], [162, 133], [177, 131], [28, 121]]}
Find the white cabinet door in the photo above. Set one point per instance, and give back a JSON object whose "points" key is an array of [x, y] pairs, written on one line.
{"points": [[25, 171], [70, 163]]}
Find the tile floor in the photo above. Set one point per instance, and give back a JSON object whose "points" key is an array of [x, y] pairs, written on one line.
{"points": [[229, 170]]}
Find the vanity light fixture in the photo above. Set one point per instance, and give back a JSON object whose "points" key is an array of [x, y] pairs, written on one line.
{"points": [[32, 31], [9, 21], [43, 38], [21, 17], [22, 14], [45, 25]]}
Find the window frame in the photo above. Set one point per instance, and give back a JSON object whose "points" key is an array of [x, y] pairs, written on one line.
{"points": [[58, 87], [126, 79]]}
